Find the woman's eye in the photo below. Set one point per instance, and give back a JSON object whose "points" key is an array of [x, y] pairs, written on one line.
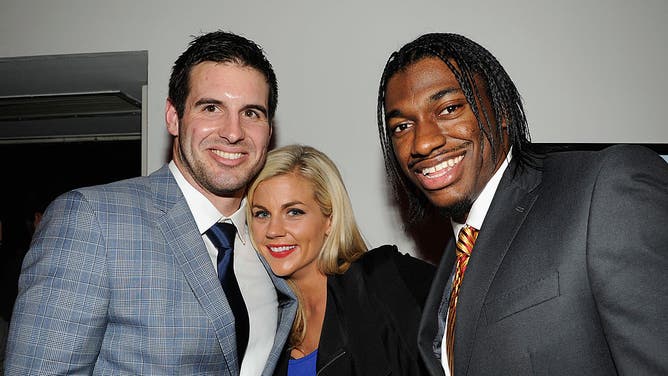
{"points": [[295, 212], [261, 214]]}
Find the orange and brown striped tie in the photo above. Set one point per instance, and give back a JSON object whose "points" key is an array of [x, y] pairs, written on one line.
{"points": [[465, 241]]}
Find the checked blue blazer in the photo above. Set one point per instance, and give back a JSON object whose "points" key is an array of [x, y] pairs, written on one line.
{"points": [[118, 281]]}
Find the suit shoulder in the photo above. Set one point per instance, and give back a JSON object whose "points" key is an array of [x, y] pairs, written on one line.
{"points": [[620, 152], [631, 154], [131, 189], [612, 160], [136, 184], [128, 195]]}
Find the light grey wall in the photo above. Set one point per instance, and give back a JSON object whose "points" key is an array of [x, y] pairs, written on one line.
{"points": [[589, 71]]}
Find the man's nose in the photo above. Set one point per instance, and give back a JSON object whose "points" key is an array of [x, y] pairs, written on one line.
{"points": [[428, 137], [231, 129]]}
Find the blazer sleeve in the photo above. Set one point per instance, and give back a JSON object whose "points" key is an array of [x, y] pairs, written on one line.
{"points": [[59, 317], [627, 258]]}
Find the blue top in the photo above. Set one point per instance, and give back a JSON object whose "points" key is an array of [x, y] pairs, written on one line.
{"points": [[303, 366]]}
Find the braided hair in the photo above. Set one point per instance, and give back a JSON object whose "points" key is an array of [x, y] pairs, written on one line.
{"points": [[473, 66]]}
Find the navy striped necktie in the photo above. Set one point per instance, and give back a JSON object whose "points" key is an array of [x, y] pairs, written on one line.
{"points": [[222, 235]]}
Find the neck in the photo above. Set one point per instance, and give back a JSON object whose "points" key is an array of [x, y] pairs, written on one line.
{"points": [[313, 290], [226, 205], [313, 297]]}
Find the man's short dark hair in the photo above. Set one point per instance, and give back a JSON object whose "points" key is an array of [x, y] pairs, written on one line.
{"points": [[220, 47], [472, 66]]}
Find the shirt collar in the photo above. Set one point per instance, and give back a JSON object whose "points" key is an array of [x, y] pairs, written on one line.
{"points": [[204, 212], [482, 203]]}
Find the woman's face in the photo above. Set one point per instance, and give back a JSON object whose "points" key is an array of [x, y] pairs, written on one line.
{"points": [[288, 226]]}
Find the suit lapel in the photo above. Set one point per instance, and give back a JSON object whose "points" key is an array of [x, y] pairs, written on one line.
{"points": [[183, 239], [512, 201], [428, 333]]}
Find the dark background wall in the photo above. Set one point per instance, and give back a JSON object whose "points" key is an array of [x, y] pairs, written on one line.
{"points": [[33, 174]]}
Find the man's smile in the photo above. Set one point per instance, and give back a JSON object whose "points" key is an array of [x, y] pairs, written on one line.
{"points": [[430, 171], [226, 155]]}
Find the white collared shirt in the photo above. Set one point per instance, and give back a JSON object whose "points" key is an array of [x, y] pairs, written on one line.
{"points": [[256, 287], [475, 219]]}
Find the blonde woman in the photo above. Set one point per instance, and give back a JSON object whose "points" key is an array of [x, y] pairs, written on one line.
{"points": [[359, 311]]}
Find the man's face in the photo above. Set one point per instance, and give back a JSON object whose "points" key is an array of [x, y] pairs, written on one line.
{"points": [[435, 135], [222, 139]]}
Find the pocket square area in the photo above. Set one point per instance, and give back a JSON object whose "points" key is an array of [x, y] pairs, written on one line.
{"points": [[522, 298]]}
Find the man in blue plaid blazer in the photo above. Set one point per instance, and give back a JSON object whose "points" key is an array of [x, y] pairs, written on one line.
{"points": [[120, 278]]}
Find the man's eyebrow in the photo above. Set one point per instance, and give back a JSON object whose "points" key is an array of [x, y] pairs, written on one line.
{"points": [[205, 101], [441, 93], [432, 98], [393, 114], [208, 101]]}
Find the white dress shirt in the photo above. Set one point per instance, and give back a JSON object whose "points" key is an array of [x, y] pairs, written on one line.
{"points": [[475, 219], [256, 287]]}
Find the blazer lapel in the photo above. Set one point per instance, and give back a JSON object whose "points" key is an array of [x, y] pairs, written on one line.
{"points": [[184, 240], [429, 337], [287, 308], [516, 194]]}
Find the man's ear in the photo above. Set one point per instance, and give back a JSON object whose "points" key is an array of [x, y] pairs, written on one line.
{"points": [[171, 118]]}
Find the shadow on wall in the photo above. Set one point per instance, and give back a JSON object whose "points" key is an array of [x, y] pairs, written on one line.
{"points": [[431, 237]]}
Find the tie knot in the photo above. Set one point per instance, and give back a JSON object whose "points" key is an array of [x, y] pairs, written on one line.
{"points": [[222, 235], [466, 240]]}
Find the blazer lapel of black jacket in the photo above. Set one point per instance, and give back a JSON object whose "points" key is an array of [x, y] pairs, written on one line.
{"points": [[353, 342], [515, 195]]}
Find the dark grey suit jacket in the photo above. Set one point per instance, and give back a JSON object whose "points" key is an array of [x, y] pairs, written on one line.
{"points": [[569, 274]]}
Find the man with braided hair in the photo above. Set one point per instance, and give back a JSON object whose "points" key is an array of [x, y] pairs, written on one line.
{"points": [[561, 266]]}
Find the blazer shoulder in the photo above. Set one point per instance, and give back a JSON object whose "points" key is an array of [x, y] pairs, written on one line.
{"points": [[613, 153], [375, 259], [386, 263], [632, 154], [159, 185], [616, 160], [139, 198]]}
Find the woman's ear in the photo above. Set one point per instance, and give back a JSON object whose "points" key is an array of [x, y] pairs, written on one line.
{"points": [[329, 225]]}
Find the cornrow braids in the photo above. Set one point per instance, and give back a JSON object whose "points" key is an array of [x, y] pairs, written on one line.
{"points": [[473, 66]]}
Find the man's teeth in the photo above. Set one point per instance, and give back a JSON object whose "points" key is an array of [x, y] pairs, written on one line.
{"points": [[226, 155], [281, 249], [442, 165]]}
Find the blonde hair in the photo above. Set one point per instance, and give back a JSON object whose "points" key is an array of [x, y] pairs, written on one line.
{"points": [[344, 244]]}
